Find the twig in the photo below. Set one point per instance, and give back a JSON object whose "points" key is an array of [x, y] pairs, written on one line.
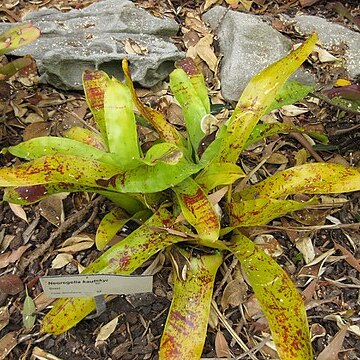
{"points": [[66, 225]]}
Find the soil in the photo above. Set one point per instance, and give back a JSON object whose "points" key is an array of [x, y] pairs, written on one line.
{"points": [[330, 286]]}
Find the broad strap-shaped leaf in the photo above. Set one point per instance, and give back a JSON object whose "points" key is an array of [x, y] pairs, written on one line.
{"points": [[185, 329], [314, 178], [193, 108], [113, 222], [217, 174], [120, 122], [261, 211], [51, 145], [262, 131], [122, 258], [197, 79], [24, 195], [197, 209], [279, 299], [61, 168], [95, 83], [167, 153], [18, 36], [154, 117], [290, 93], [86, 136], [256, 98]]}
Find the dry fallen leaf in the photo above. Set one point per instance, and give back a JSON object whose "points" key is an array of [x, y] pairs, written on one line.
{"points": [[61, 260], [12, 256], [41, 354], [4, 316], [269, 244], [306, 247], [106, 331], [76, 243], [332, 350], [221, 346], [7, 343], [350, 258], [11, 284], [206, 53], [18, 211], [52, 208], [134, 48], [234, 293]]}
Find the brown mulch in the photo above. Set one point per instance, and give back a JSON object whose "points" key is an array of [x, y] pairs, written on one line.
{"points": [[330, 284]]}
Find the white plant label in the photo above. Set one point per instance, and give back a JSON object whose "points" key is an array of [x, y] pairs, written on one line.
{"points": [[91, 285]]}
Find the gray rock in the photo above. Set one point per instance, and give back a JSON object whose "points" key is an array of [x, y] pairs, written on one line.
{"points": [[248, 45], [333, 34], [95, 37]]}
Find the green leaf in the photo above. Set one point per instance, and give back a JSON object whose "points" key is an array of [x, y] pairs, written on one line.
{"points": [[217, 174], [61, 168], [28, 313], [24, 195], [262, 131], [314, 178], [256, 98], [279, 299], [95, 83], [18, 36], [193, 108], [112, 222], [197, 209], [290, 93], [185, 329], [154, 117], [85, 136], [122, 258], [167, 153], [261, 211], [197, 80], [120, 122], [51, 145]]}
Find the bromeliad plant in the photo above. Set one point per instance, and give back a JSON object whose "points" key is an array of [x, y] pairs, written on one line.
{"points": [[178, 179]]}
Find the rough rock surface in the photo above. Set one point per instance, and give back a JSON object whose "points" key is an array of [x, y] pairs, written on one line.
{"points": [[249, 45], [333, 34], [98, 37]]}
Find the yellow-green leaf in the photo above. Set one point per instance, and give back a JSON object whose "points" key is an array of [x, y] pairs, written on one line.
{"points": [[120, 122], [314, 178], [185, 329], [197, 209], [155, 118], [95, 83], [217, 174], [256, 98], [122, 258], [85, 136], [28, 312], [261, 211], [279, 299]]}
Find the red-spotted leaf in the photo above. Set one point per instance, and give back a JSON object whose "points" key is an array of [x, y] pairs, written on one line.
{"points": [[261, 211], [279, 299], [154, 117], [85, 136], [256, 98], [314, 178], [122, 258], [197, 209], [95, 83], [185, 329]]}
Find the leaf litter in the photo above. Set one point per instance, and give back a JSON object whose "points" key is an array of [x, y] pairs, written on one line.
{"points": [[326, 264]]}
